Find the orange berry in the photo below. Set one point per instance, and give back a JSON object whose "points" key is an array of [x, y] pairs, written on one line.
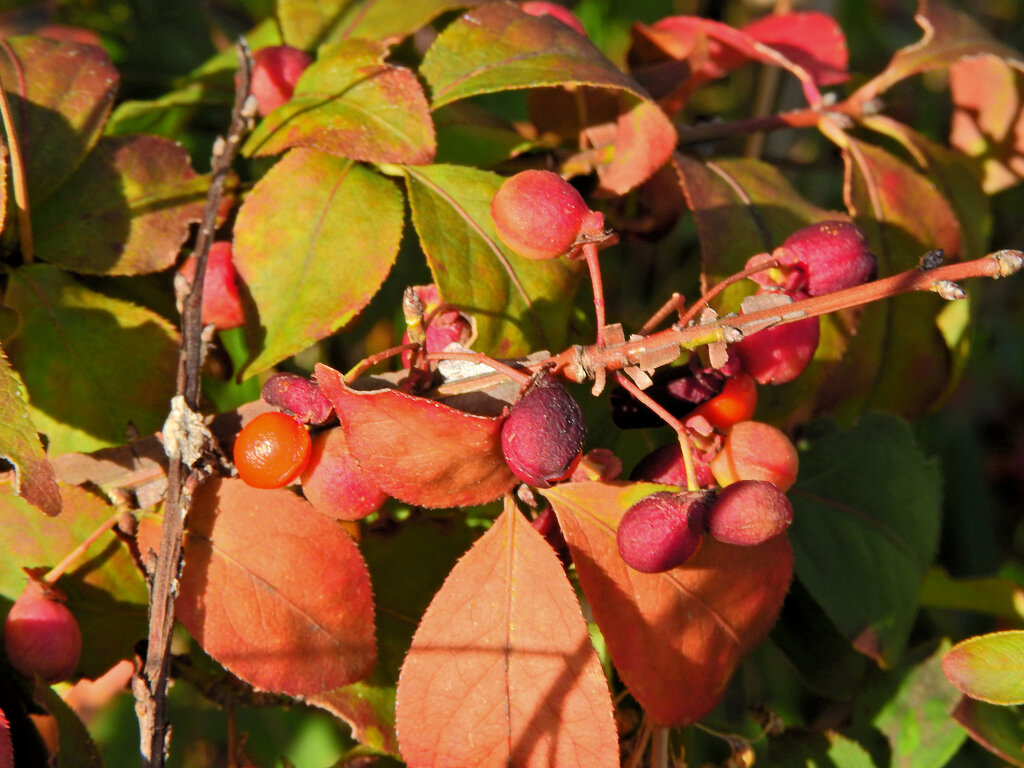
{"points": [[735, 403], [271, 450]]}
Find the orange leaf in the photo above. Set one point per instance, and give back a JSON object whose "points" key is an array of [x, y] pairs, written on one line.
{"points": [[420, 451], [675, 637], [501, 671], [274, 591]]}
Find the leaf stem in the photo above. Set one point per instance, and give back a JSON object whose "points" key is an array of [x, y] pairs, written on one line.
{"points": [[18, 178], [58, 570]]}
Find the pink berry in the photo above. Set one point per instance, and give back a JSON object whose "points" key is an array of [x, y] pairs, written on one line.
{"points": [[780, 353], [276, 70], [41, 636], [749, 512], [335, 484], [821, 258], [542, 436], [560, 12], [661, 531], [665, 465], [538, 214], [222, 304], [754, 450], [299, 396]]}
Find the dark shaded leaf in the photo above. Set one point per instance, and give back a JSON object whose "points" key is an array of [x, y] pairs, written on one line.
{"points": [[126, 210], [93, 365]]}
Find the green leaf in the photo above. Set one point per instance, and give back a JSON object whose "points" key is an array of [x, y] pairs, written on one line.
{"points": [[352, 104], [60, 94], [1000, 730], [389, 21], [306, 23], [806, 749], [313, 243], [34, 478], [126, 210], [989, 667], [94, 366], [916, 718], [105, 590], [865, 528], [519, 304], [497, 47]]}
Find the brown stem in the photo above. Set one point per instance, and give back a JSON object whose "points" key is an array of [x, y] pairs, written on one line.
{"points": [[150, 684], [516, 374], [704, 300], [676, 303], [366, 364]]}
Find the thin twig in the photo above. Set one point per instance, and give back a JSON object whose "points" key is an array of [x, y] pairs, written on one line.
{"points": [[184, 476]]}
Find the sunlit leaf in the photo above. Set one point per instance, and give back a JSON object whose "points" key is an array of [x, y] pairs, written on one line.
{"points": [[519, 304], [420, 451], [350, 103], [503, 653], [862, 548], [61, 94], [988, 118], [314, 240], [389, 21], [989, 667], [104, 584], [810, 45], [34, 480], [408, 562], [126, 210], [674, 637], [307, 23], [94, 366], [497, 47], [948, 36], [295, 630]]}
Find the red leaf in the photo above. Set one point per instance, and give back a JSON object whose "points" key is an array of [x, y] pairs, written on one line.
{"points": [[675, 637], [713, 49], [274, 591], [501, 671], [420, 451], [988, 118]]}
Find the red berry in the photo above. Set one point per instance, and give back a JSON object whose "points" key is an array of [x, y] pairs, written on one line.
{"points": [[665, 465], [222, 305], [661, 531], [41, 636], [271, 450], [538, 214], [780, 353], [299, 396], [749, 512], [542, 436], [735, 403], [335, 484], [821, 258], [756, 451], [444, 326], [276, 70], [560, 12]]}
